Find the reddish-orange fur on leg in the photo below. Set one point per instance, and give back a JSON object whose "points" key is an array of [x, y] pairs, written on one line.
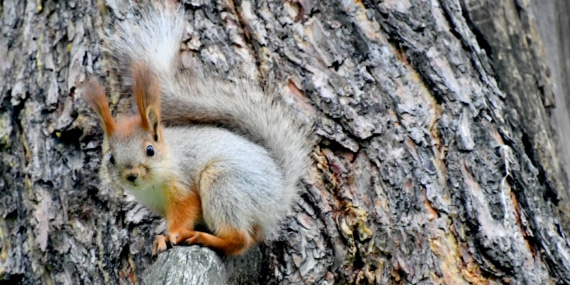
{"points": [[227, 241], [181, 215]]}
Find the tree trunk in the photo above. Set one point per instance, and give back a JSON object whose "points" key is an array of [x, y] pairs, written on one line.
{"points": [[435, 158]]}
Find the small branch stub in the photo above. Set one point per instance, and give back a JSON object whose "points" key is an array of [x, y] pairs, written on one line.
{"points": [[190, 265]]}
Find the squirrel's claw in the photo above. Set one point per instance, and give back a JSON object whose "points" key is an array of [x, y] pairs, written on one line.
{"points": [[173, 238], [159, 244]]}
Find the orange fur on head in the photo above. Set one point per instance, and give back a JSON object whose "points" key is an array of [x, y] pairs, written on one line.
{"points": [[96, 98], [147, 93], [126, 126]]}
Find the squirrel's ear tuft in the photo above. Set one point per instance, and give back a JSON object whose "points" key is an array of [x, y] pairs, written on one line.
{"points": [[153, 118], [96, 98], [147, 93]]}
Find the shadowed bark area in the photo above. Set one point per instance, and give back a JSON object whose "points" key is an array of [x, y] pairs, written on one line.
{"points": [[553, 27], [435, 154]]}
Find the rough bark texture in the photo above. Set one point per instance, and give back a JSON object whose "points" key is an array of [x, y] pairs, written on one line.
{"points": [[435, 159], [554, 27]]}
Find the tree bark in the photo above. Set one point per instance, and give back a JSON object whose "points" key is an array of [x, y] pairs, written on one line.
{"points": [[553, 26], [436, 156]]}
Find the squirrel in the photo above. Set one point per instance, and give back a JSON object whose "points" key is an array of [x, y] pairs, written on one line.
{"points": [[199, 149]]}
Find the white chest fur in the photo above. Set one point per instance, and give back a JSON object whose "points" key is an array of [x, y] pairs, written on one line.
{"points": [[152, 196]]}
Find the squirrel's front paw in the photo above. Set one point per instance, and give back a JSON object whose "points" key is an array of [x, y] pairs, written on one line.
{"points": [[173, 237], [159, 244]]}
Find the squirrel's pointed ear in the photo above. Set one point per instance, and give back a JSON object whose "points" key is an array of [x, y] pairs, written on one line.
{"points": [[147, 93], [96, 98]]}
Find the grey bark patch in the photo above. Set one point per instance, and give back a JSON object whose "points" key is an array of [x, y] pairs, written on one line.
{"points": [[197, 265]]}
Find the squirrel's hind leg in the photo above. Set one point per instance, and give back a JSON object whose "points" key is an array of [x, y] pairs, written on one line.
{"points": [[227, 241]]}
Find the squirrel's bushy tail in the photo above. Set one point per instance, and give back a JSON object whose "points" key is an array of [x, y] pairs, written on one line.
{"points": [[153, 37], [195, 97], [242, 107]]}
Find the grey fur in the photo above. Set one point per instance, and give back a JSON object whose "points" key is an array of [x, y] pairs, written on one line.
{"points": [[260, 161]]}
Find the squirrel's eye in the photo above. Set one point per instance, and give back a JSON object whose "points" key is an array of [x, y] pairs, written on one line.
{"points": [[111, 159], [149, 150]]}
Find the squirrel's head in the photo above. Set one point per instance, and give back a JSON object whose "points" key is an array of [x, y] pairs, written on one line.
{"points": [[136, 150]]}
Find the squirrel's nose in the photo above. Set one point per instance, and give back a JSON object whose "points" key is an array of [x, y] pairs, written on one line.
{"points": [[132, 177]]}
